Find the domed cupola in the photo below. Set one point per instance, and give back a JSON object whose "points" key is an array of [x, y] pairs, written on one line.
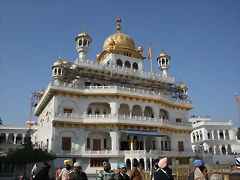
{"points": [[83, 41], [120, 43], [183, 91], [58, 70]]}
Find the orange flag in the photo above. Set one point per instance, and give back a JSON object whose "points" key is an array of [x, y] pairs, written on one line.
{"points": [[150, 52], [238, 100]]}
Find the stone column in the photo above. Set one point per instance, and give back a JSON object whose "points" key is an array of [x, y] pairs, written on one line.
{"points": [[226, 147], [214, 150], [131, 143], [212, 132], [224, 134], [144, 143], [151, 164], [145, 164], [23, 136], [220, 149], [218, 135], [114, 108], [115, 140], [7, 137], [14, 138]]}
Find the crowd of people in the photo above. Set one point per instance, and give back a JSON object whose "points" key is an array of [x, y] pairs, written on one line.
{"points": [[160, 171]]}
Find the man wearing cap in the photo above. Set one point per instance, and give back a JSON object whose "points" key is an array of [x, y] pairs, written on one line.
{"points": [[121, 175], [235, 174], [163, 172], [196, 163], [106, 173], [155, 167], [65, 171], [77, 173]]}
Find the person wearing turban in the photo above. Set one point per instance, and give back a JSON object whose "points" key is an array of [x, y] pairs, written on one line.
{"points": [[197, 163], [65, 171], [77, 173], [164, 172], [121, 175], [235, 174], [106, 173]]}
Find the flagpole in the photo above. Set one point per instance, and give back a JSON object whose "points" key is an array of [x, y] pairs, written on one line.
{"points": [[150, 58]]}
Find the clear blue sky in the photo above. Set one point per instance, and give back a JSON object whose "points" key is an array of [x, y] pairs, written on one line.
{"points": [[202, 37]]}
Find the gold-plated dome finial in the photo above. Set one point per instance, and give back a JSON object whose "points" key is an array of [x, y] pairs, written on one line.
{"points": [[140, 49], [118, 20], [59, 55], [83, 28]]}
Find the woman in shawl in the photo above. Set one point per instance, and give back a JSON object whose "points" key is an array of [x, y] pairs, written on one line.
{"points": [[43, 173]]}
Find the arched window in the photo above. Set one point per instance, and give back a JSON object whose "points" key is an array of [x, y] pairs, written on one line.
{"points": [[119, 62], [135, 66], [127, 64], [97, 111], [89, 111]]}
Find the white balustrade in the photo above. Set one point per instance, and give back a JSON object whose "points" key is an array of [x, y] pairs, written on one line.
{"points": [[124, 90], [120, 117]]}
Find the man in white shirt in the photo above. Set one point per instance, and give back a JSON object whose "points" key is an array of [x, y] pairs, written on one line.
{"points": [[65, 171]]}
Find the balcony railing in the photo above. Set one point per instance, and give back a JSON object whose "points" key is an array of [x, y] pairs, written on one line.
{"points": [[127, 71], [126, 152], [113, 117], [124, 90]]}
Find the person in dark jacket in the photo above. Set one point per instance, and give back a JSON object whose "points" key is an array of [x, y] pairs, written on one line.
{"points": [[196, 163], [163, 173], [43, 174], [121, 175], [155, 167], [235, 174], [77, 173]]}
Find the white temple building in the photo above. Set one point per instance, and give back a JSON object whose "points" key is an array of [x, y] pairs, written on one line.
{"points": [[215, 142], [110, 109], [11, 137]]}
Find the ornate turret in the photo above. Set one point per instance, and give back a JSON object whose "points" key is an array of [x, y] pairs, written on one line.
{"points": [[66, 63], [164, 62], [83, 41], [183, 91], [58, 70]]}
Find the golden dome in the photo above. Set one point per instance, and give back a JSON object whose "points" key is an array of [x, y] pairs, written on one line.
{"points": [[140, 49], [120, 39], [66, 63], [58, 63], [182, 85], [83, 34], [164, 54]]}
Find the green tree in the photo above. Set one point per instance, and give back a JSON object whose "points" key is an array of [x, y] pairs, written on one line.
{"points": [[27, 154]]}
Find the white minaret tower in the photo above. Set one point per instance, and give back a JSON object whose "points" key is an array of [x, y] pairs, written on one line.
{"points": [[163, 63], [83, 41], [58, 71], [183, 91]]}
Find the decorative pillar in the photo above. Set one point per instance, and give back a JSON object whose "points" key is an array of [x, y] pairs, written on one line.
{"points": [[115, 140], [214, 150], [212, 135], [130, 110], [226, 147], [145, 164], [7, 137], [224, 134], [220, 149], [131, 143], [14, 138], [144, 143], [114, 108], [151, 164], [218, 135], [23, 137]]}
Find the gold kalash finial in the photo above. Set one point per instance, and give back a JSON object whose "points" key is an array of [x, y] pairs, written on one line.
{"points": [[118, 20]]}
